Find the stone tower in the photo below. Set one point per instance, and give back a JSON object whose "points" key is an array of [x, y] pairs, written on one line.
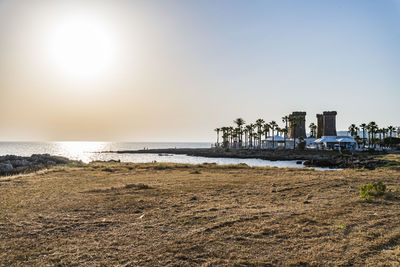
{"points": [[300, 129], [320, 125], [329, 119]]}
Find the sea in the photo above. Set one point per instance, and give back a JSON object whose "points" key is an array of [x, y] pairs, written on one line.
{"points": [[90, 151]]}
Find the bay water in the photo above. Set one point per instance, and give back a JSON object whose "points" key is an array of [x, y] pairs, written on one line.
{"points": [[89, 151]]}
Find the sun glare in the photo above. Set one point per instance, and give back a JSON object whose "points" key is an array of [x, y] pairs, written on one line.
{"points": [[81, 48], [80, 150]]}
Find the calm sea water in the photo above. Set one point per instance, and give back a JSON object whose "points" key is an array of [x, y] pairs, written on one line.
{"points": [[88, 151]]}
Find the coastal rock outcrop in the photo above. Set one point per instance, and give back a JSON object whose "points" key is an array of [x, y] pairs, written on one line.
{"points": [[11, 164], [6, 167], [345, 162]]}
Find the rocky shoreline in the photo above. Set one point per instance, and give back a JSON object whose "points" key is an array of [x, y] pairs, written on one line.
{"points": [[354, 163], [11, 164], [311, 158]]}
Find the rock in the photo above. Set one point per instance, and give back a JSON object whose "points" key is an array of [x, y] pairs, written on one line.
{"points": [[6, 167], [21, 163], [21, 168], [11, 164]]}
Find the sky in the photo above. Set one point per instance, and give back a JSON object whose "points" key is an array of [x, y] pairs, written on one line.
{"points": [[175, 70]]}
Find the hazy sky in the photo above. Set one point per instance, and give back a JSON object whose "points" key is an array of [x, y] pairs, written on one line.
{"points": [[175, 70]]}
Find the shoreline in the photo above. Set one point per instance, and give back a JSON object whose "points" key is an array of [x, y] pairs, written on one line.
{"points": [[273, 155], [12, 164], [311, 158]]}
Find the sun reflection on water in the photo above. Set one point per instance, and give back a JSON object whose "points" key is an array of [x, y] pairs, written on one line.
{"points": [[80, 150]]}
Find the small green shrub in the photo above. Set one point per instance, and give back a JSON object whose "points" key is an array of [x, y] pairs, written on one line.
{"points": [[376, 189]]}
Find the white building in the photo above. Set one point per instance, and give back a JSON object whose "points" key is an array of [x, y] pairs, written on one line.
{"points": [[336, 142]]}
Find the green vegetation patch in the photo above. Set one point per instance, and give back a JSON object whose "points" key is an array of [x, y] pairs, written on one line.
{"points": [[376, 189]]}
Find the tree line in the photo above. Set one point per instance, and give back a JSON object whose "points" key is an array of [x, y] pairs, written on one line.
{"points": [[372, 135], [243, 135], [250, 135]]}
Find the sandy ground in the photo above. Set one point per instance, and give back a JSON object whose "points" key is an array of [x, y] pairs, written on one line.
{"points": [[165, 214]]}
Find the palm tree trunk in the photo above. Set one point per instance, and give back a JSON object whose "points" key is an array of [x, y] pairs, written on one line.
{"points": [[369, 138], [363, 137], [273, 139]]}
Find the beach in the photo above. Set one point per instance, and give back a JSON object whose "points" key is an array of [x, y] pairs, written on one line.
{"points": [[156, 214]]}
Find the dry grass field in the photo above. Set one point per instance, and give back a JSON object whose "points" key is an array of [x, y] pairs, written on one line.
{"points": [[120, 214]]}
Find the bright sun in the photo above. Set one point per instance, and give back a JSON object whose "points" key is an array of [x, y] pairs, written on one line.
{"points": [[82, 48]]}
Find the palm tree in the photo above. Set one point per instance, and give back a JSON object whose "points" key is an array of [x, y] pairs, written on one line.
{"points": [[375, 129], [240, 122], [356, 131], [278, 131], [217, 130], [225, 136], [372, 128], [250, 128], [235, 135], [246, 132], [380, 132], [313, 129], [259, 124], [363, 126], [259, 137], [385, 132], [267, 127], [255, 138], [273, 127], [251, 135], [391, 129], [353, 129], [230, 129]]}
